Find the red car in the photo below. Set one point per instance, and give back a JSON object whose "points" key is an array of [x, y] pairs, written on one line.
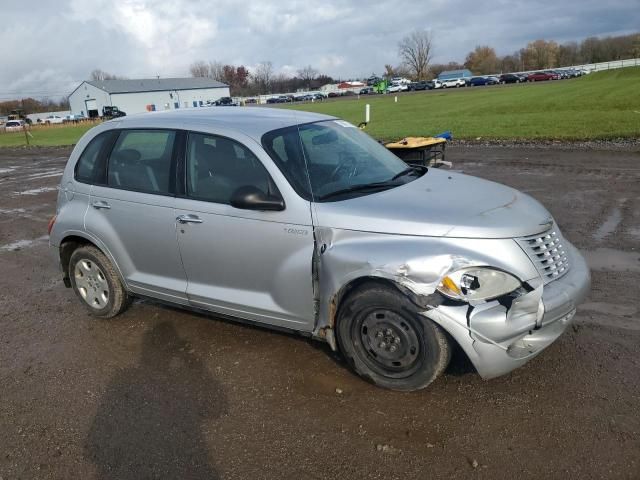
{"points": [[540, 76]]}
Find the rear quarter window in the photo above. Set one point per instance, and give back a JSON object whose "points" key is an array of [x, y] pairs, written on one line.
{"points": [[141, 161], [90, 166]]}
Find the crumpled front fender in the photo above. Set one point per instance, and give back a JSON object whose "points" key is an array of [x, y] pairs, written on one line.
{"points": [[413, 264]]}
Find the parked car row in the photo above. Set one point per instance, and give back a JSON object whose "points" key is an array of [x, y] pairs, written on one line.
{"points": [[399, 84], [395, 87], [307, 97]]}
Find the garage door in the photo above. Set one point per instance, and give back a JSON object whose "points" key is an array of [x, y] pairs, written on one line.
{"points": [[92, 108]]}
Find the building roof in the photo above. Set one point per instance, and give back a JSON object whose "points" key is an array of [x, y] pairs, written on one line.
{"points": [[456, 73], [155, 84]]}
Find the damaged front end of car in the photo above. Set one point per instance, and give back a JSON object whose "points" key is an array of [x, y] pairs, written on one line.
{"points": [[488, 294]]}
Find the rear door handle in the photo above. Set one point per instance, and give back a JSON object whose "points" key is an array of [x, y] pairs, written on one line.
{"points": [[189, 219], [101, 205]]}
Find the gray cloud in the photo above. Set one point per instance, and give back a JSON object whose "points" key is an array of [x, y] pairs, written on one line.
{"points": [[48, 47]]}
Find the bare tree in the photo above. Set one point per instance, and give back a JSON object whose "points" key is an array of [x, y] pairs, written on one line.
{"points": [[262, 76], [510, 63], [100, 75], [389, 71], [307, 74], [216, 71], [199, 69], [416, 51], [568, 54]]}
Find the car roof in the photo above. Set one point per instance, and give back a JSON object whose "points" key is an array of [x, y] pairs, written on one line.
{"points": [[252, 121]]}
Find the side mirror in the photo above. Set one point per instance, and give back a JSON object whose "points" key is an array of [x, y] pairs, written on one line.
{"points": [[250, 197]]}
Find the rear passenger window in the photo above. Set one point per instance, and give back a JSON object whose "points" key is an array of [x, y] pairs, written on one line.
{"points": [[218, 166], [141, 161], [89, 169]]}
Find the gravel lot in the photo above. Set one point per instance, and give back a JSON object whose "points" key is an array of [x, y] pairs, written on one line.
{"points": [[164, 393]]}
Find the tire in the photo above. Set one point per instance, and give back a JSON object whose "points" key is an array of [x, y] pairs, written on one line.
{"points": [[96, 283], [387, 342]]}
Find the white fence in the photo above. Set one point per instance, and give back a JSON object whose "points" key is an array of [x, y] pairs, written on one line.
{"points": [[592, 67], [596, 67]]}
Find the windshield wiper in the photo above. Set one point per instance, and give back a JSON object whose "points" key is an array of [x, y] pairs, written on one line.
{"points": [[363, 187], [409, 169]]}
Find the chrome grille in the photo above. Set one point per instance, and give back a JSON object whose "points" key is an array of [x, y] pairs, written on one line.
{"points": [[547, 251]]}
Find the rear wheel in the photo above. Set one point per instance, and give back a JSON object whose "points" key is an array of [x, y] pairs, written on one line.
{"points": [[96, 282], [386, 341]]}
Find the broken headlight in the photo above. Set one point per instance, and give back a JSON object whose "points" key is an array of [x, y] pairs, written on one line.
{"points": [[477, 283]]}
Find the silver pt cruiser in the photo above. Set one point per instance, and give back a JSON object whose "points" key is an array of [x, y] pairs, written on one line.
{"points": [[302, 222]]}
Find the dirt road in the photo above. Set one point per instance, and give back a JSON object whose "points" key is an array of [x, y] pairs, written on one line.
{"points": [[164, 393]]}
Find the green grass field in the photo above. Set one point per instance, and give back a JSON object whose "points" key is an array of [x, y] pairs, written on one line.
{"points": [[44, 136], [600, 105]]}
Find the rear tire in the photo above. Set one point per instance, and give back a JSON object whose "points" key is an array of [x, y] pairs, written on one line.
{"points": [[387, 342], [96, 283]]}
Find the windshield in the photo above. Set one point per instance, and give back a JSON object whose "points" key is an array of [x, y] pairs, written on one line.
{"points": [[342, 161]]}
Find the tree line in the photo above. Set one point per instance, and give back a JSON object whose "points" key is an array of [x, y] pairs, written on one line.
{"points": [[260, 80], [31, 105], [544, 54], [536, 55], [415, 52]]}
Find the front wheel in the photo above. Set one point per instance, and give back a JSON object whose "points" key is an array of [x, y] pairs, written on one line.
{"points": [[96, 282], [386, 341]]}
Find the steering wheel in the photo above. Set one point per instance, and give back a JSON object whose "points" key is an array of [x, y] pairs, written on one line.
{"points": [[347, 163]]}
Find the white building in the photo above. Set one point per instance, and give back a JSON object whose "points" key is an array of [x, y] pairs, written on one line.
{"points": [[145, 95]]}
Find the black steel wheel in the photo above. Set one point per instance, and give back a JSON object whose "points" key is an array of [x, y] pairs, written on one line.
{"points": [[386, 340]]}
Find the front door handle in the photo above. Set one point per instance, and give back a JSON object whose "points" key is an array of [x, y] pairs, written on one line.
{"points": [[100, 204], [189, 219]]}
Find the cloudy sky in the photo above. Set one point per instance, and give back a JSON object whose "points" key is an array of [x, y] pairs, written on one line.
{"points": [[48, 47]]}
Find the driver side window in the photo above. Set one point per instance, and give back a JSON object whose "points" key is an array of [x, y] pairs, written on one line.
{"points": [[218, 166]]}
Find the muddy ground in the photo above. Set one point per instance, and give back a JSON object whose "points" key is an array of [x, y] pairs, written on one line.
{"points": [[164, 393]]}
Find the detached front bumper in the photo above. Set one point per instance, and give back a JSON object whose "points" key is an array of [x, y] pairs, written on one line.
{"points": [[499, 337]]}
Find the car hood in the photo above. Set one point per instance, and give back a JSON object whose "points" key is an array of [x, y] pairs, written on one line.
{"points": [[440, 204]]}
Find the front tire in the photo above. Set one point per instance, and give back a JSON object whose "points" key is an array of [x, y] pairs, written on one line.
{"points": [[387, 342], [96, 283]]}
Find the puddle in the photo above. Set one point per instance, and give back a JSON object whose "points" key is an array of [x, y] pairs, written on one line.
{"points": [[46, 173], [6, 170], [37, 176], [20, 244], [609, 225], [36, 191], [610, 260], [11, 211]]}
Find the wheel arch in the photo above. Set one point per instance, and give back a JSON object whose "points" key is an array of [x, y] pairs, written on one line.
{"points": [[75, 240], [337, 300]]}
